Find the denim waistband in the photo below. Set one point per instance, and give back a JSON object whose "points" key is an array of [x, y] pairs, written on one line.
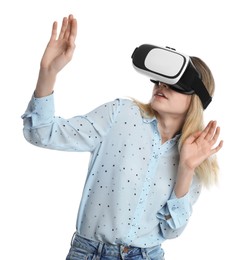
{"points": [[104, 249]]}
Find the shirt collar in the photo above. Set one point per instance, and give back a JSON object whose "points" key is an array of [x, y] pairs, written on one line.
{"points": [[150, 120]]}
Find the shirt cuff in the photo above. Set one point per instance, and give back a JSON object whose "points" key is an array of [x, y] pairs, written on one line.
{"points": [[179, 210], [40, 111]]}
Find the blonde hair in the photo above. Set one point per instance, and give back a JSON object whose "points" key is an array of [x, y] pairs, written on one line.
{"points": [[208, 170]]}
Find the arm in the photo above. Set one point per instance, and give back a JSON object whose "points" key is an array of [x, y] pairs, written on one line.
{"points": [[175, 214], [41, 127], [57, 55], [79, 133]]}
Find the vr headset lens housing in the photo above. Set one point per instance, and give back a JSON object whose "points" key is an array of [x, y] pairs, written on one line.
{"points": [[172, 68]]}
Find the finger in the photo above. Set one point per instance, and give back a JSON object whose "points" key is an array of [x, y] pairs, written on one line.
{"points": [[205, 131], [217, 148], [73, 31], [67, 32], [71, 40], [54, 32], [63, 28], [211, 131], [215, 136], [193, 137]]}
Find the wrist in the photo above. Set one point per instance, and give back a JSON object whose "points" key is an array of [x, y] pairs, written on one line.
{"points": [[186, 167], [184, 178], [45, 83]]}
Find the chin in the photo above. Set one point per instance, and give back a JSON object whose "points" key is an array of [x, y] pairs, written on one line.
{"points": [[158, 103]]}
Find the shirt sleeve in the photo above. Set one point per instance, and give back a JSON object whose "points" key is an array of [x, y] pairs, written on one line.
{"points": [[80, 133], [174, 216]]}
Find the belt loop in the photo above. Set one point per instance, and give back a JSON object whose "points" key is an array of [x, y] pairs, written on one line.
{"points": [[99, 251], [144, 253]]}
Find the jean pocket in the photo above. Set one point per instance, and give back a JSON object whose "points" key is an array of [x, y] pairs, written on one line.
{"points": [[79, 254], [155, 253]]}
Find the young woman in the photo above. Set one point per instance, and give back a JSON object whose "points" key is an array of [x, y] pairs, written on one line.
{"points": [[148, 163]]}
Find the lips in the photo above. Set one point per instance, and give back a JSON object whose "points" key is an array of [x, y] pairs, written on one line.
{"points": [[160, 94]]}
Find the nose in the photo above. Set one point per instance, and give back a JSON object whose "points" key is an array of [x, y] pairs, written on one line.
{"points": [[163, 85]]}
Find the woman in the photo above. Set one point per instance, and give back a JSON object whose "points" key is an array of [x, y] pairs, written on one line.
{"points": [[148, 161]]}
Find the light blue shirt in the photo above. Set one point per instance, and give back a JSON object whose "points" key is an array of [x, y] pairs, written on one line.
{"points": [[131, 175]]}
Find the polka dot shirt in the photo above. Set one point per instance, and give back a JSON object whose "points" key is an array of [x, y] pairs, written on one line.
{"points": [[129, 186]]}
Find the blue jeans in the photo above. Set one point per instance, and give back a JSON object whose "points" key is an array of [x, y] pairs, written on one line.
{"points": [[85, 249]]}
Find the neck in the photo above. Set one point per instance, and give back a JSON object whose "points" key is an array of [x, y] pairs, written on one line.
{"points": [[169, 126]]}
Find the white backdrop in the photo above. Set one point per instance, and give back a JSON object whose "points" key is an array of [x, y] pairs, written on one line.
{"points": [[40, 189]]}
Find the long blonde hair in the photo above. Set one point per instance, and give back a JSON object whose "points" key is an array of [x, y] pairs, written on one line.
{"points": [[194, 121]]}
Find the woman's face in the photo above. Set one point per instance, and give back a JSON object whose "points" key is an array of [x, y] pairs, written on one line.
{"points": [[167, 101]]}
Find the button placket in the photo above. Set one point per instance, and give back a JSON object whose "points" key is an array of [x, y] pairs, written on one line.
{"points": [[153, 163]]}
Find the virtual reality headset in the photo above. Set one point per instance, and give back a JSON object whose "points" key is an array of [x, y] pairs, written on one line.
{"points": [[168, 66]]}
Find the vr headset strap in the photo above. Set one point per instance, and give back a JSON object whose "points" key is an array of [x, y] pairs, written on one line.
{"points": [[202, 92], [191, 79]]}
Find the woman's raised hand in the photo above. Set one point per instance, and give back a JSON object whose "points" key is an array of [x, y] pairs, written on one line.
{"points": [[201, 145], [57, 55], [59, 50]]}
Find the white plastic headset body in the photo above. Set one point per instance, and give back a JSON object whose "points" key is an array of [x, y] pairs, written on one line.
{"points": [[172, 68]]}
